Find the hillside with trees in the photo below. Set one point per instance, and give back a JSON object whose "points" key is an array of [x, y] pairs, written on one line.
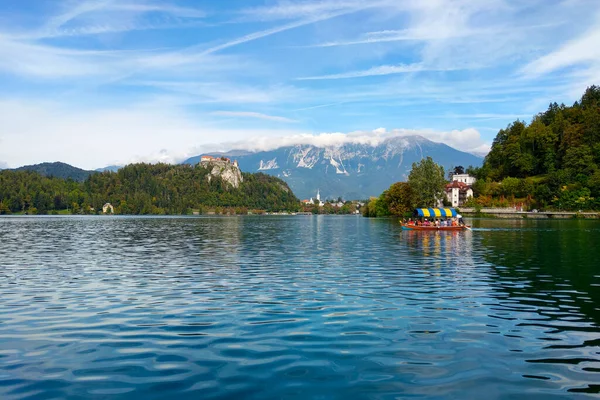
{"points": [[553, 162], [58, 170], [143, 189]]}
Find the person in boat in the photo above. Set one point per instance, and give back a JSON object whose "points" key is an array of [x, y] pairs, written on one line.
{"points": [[461, 222]]}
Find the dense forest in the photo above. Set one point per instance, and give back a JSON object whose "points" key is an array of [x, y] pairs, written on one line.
{"points": [[143, 189], [553, 162]]}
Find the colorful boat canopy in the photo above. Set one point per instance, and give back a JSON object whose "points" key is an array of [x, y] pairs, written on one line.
{"points": [[435, 212]]}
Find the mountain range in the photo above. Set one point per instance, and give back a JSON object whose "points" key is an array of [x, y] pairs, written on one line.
{"points": [[350, 171]]}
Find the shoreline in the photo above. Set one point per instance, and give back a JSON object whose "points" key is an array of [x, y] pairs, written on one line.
{"points": [[513, 214]]}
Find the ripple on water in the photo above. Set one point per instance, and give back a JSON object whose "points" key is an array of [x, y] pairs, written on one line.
{"points": [[296, 307]]}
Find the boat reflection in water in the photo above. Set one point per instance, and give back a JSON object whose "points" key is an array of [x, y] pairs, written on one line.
{"points": [[452, 249]]}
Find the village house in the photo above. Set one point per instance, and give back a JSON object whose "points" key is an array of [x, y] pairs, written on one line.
{"points": [[460, 189]]}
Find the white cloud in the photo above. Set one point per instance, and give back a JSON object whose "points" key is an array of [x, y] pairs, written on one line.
{"points": [[51, 62], [376, 71], [223, 92], [249, 114], [30, 59], [404, 35], [300, 9], [151, 133], [176, 11], [584, 49], [109, 16], [271, 31], [468, 140], [47, 131], [484, 116], [448, 35]]}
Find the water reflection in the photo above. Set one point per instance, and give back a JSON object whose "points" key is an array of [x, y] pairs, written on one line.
{"points": [[295, 307], [454, 247], [546, 282]]}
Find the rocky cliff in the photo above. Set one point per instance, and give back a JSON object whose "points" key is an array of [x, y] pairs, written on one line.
{"points": [[228, 172]]}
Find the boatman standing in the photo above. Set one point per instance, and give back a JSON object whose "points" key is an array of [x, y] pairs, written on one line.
{"points": [[460, 220]]}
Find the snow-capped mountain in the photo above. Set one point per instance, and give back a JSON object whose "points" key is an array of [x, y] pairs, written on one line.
{"points": [[352, 171]]}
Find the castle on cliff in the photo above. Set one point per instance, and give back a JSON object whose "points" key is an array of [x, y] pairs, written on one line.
{"points": [[223, 167], [207, 159]]}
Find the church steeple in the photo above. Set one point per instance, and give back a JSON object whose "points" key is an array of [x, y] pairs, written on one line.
{"points": [[318, 195]]}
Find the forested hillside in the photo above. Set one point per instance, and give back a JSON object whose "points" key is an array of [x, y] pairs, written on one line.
{"points": [[552, 162], [142, 189], [58, 170]]}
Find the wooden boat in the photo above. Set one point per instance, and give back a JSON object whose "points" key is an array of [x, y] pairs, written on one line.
{"points": [[434, 228], [435, 213]]}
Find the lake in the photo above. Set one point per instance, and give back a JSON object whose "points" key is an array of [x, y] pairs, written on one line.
{"points": [[297, 307]]}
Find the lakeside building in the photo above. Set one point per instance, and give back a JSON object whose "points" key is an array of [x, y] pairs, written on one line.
{"points": [[464, 178], [460, 189]]}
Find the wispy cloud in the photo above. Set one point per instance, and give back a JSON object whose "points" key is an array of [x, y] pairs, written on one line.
{"points": [[224, 92], [377, 71], [584, 49], [448, 35], [308, 9], [446, 65], [86, 138], [31, 59], [282, 28], [249, 114], [109, 16], [484, 116], [405, 35]]}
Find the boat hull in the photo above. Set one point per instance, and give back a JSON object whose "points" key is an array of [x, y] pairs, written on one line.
{"points": [[434, 228]]}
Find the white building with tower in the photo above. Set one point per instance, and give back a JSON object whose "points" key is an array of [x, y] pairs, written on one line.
{"points": [[460, 189], [318, 200]]}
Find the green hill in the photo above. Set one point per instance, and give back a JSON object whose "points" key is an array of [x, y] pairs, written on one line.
{"points": [[58, 170], [552, 162], [143, 189]]}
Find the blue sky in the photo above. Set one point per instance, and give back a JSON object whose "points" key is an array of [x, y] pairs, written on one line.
{"points": [[99, 82]]}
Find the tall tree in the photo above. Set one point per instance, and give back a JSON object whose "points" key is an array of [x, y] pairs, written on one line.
{"points": [[427, 182], [458, 170], [400, 198]]}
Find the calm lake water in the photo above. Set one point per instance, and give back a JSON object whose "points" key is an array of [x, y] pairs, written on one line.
{"points": [[297, 307]]}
